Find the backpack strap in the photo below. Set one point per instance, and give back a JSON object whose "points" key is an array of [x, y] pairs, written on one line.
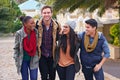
{"points": [[58, 30], [37, 24], [57, 25]]}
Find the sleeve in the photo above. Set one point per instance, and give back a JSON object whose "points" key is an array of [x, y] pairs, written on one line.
{"points": [[16, 46], [106, 49], [80, 35]]}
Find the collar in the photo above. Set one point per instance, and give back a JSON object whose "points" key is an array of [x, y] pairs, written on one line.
{"points": [[22, 32], [43, 24]]}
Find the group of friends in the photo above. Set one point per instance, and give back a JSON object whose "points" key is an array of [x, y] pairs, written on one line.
{"points": [[51, 48]]}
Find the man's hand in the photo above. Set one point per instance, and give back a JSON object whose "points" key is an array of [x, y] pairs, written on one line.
{"points": [[97, 67]]}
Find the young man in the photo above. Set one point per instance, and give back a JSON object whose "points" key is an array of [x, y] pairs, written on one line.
{"points": [[48, 30], [93, 43]]}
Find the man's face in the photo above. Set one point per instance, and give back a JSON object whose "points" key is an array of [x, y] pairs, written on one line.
{"points": [[46, 14], [89, 29]]}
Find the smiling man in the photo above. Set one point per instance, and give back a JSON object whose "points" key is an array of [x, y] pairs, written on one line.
{"points": [[48, 30], [93, 43]]}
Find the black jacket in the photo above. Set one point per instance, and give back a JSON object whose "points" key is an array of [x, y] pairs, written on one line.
{"points": [[76, 59]]}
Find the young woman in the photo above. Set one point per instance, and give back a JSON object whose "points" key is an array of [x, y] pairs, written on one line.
{"points": [[26, 55], [66, 53]]}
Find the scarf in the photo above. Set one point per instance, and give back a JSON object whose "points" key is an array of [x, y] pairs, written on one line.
{"points": [[29, 44], [90, 47]]}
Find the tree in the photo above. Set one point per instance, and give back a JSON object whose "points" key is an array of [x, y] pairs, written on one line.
{"points": [[20, 1], [9, 11], [115, 34], [90, 5]]}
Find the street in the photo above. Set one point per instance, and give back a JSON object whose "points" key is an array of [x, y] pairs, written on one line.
{"points": [[8, 68]]}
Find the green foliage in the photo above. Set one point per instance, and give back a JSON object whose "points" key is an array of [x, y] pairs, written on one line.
{"points": [[115, 34], [37, 16], [111, 39], [2, 26], [90, 5], [49, 2], [9, 11], [17, 25], [20, 1]]}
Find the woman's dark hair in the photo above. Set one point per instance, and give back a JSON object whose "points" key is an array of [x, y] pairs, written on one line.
{"points": [[25, 19], [72, 40]]}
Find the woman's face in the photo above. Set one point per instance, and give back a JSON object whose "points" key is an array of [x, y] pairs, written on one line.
{"points": [[30, 24], [66, 29]]}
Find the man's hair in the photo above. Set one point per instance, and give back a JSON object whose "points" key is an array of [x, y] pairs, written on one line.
{"points": [[92, 22], [44, 7]]}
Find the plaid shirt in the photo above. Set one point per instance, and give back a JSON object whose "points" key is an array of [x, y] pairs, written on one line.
{"points": [[47, 41]]}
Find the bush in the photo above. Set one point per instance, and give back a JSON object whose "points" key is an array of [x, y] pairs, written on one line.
{"points": [[17, 25], [115, 34]]}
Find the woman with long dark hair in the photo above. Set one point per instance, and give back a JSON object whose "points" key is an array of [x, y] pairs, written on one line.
{"points": [[25, 49], [66, 60]]}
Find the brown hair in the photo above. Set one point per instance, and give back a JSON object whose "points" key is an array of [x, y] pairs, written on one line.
{"points": [[44, 7]]}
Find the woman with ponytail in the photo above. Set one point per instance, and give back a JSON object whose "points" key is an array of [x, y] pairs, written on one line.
{"points": [[25, 49]]}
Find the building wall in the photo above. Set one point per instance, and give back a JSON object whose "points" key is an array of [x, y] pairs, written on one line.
{"points": [[31, 13], [100, 29], [106, 31]]}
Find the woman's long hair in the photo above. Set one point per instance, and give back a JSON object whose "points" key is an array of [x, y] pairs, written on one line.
{"points": [[72, 42]]}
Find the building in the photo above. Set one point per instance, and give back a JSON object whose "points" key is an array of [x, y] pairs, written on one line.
{"points": [[30, 8]]}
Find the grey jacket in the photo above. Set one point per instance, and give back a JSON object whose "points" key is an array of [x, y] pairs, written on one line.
{"points": [[18, 50]]}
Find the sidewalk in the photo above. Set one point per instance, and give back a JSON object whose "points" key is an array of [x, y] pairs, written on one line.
{"points": [[79, 76], [8, 69], [112, 67]]}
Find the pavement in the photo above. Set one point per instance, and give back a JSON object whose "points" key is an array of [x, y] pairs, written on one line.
{"points": [[8, 69], [112, 67]]}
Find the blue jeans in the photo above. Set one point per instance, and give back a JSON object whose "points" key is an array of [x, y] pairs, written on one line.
{"points": [[88, 73], [25, 71], [66, 73]]}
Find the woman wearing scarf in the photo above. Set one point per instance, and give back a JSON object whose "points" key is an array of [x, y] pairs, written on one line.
{"points": [[93, 44], [25, 53], [66, 59]]}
